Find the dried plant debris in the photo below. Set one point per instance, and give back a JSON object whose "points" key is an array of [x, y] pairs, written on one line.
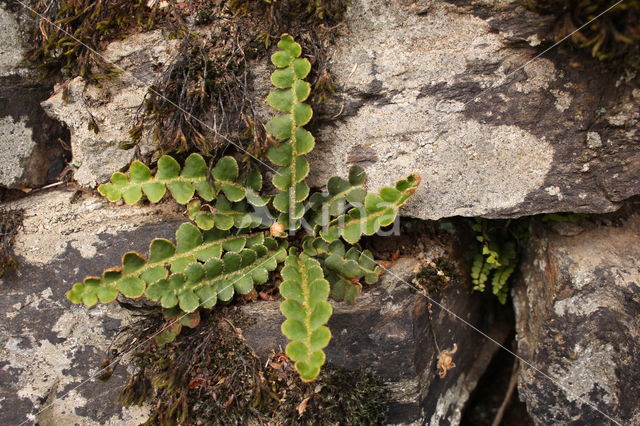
{"points": [[10, 223], [445, 361], [613, 35], [210, 375], [201, 102]]}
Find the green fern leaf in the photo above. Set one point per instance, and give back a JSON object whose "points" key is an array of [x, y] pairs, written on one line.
{"points": [[289, 98], [340, 194], [307, 310], [378, 210], [498, 256], [165, 258], [182, 183], [224, 215], [343, 269], [218, 278]]}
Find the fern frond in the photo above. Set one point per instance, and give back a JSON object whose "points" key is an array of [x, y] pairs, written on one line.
{"points": [[480, 271], [344, 269], [218, 279], [224, 215], [378, 210], [340, 194], [165, 258], [182, 183], [307, 310], [498, 257], [289, 155]]}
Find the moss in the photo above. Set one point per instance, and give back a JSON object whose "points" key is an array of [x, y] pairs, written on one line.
{"points": [[614, 35], [210, 375], [339, 396], [67, 32], [10, 223]]}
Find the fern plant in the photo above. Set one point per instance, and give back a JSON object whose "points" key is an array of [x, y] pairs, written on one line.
{"points": [[236, 239], [499, 254]]}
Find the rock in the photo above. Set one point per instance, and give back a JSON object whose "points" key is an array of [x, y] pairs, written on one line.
{"points": [[427, 87], [11, 48], [30, 150], [100, 118], [577, 303], [388, 331], [49, 347]]}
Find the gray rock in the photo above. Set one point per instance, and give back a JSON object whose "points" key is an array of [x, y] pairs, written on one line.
{"points": [[100, 118], [389, 331], [577, 303], [11, 48], [49, 347], [412, 76], [30, 150]]}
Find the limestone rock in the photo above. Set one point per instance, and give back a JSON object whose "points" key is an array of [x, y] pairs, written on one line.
{"points": [[451, 90], [577, 305], [100, 118], [49, 347]]}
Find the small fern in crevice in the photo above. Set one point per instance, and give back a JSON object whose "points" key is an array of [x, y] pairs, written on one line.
{"points": [[229, 250], [499, 254]]}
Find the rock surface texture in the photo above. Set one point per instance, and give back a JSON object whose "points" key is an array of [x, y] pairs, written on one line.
{"points": [[48, 346], [577, 306], [30, 150], [450, 89], [100, 118]]}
